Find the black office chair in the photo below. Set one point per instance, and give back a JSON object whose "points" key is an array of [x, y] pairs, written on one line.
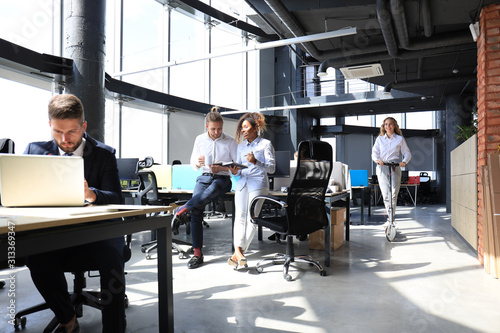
{"points": [[6, 146], [304, 211], [147, 194], [79, 297]]}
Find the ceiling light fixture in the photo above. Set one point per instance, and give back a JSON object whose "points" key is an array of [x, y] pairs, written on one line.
{"points": [[304, 106], [261, 46]]}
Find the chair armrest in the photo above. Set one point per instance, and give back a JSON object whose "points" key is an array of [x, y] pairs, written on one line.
{"points": [[272, 198], [265, 198]]}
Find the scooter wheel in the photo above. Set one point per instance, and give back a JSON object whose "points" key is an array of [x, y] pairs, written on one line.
{"points": [[390, 232]]}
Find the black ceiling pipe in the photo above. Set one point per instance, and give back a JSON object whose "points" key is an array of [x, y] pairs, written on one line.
{"points": [[385, 20], [426, 18], [399, 17], [415, 83]]}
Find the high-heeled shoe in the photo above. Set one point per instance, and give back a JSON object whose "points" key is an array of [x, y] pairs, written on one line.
{"points": [[243, 262], [232, 263]]}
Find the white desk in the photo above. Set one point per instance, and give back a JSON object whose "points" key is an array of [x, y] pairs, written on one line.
{"points": [[38, 230]]}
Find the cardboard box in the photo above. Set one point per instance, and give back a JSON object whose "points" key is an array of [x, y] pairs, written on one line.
{"points": [[337, 215], [317, 238]]}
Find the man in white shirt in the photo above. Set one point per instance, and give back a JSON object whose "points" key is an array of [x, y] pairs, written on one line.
{"points": [[210, 147]]}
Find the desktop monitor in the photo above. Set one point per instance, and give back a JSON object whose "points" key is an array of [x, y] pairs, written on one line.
{"points": [[127, 170], [282, 167]]}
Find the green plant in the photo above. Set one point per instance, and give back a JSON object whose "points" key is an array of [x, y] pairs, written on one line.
{"points": [[466, 131]]}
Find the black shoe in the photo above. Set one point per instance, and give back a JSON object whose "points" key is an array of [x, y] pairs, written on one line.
{"points": [[62, 329], [176, 223], [195, 262]]}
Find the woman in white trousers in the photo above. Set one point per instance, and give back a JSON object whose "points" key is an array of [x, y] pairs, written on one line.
{"points": [[257, 154], [388, 147]]}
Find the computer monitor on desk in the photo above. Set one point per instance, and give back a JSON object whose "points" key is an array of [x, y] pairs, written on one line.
{"points": [[282, 169], [127, 170]]}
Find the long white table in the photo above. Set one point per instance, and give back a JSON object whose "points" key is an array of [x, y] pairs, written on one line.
{"points": [[28, 231]]}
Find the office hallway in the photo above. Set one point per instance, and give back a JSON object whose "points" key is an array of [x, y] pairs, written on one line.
{"points": [[427, 280]]}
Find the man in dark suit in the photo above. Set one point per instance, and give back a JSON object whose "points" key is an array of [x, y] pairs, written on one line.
{"points": [[102, 186]]}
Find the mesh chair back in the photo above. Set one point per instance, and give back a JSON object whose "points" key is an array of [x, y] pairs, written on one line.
{"points": [[306, 197], [148, 188]]}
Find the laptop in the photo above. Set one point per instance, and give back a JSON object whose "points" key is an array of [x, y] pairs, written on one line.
{"points": [[41, 180]]}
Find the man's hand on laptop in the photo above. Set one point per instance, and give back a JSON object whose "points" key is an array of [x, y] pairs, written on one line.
{"points": [[89, 194]]}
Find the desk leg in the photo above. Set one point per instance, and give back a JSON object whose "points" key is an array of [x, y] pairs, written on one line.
{"points": [[415, 203], [347, 219], [165, 279], [369, 201], [362, 207], [327, 243]]}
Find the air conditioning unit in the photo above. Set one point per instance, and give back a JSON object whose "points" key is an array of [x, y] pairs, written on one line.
{"points": [[362, 71]]}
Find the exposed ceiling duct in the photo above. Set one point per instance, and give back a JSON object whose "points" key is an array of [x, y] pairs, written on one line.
{"points": [[404, 54], [414, 83], [438, 44], [385, 20]]}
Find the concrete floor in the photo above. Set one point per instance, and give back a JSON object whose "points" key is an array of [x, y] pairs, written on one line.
{"points": [[428, 280]]}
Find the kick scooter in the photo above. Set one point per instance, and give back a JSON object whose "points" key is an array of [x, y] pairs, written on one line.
{"points": [[390, 230]]}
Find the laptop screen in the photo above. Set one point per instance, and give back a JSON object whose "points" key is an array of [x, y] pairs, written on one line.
{"points": [[41, 180]]}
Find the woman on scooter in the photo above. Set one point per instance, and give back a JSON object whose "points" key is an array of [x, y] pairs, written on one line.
{"points": [[387, 148]]}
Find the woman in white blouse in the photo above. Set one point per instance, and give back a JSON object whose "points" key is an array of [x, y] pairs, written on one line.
{"points": [[387, 148], [257, 154]]}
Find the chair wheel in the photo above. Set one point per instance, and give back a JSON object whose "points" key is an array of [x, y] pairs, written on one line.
{"points": [[260, 269], [148, 256], [183, 255], [302, 237], [322, 273], [19, 321], [143, 249], [288, 277]]}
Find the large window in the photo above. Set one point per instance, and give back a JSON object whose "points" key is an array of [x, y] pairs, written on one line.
{"points": [[188, 39], [31, 24], [24, 113], [141, 35], [227, 73]]}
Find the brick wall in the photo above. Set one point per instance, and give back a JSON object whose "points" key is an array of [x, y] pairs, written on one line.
{"points": [[488, 98]]}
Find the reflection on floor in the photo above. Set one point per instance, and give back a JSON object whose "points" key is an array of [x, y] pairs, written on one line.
{"points": [[428, 280]]}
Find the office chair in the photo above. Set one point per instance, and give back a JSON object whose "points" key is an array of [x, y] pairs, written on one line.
{"points": [[6, 146], [304, 211], [79, 297], [147, 194]]}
